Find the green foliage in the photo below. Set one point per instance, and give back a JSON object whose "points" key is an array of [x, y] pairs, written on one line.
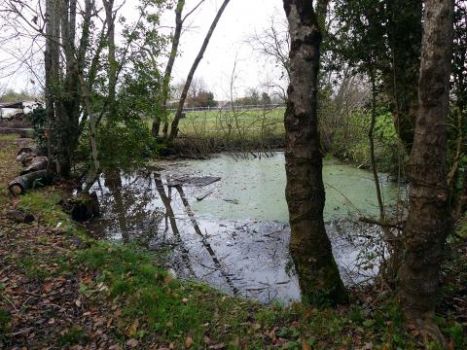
{"points": [[38, 119], [73, 336], [125, 145], [350, 140], [4, 320]]}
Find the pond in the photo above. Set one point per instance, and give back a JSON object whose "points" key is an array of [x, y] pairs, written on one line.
{"points": [[224, 221]]}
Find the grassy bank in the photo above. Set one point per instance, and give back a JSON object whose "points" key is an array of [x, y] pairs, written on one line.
{"points": [[259, 123], [61, 289], [343, 136]]}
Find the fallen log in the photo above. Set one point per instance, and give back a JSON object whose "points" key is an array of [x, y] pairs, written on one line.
{"points": [[19, 216], [19, 185], [38, 163], [26, 155]]}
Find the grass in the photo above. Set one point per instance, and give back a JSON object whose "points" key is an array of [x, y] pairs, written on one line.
{"points": [[73, 336], [150, 306], [241, 123], [153, 307], [8, 137]]}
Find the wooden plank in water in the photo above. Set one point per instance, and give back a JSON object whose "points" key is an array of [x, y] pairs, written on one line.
{"points": [[193, 181]]}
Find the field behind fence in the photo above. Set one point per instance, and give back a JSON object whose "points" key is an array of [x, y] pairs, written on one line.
{"points": [[253, 122]]}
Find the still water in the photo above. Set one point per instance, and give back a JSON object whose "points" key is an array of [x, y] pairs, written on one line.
{"points": [[224, 221]]}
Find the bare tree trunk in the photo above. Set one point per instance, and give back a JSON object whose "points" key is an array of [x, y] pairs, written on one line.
{"points": [[428, 222], [113, 65], [178, 114], [52, 69], [63, 87], [168, 70], [372, 145], [310, 246]]}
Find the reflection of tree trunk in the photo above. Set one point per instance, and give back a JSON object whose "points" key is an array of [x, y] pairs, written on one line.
{"points": [[206, 245], [173, 223], [309, 244], [428, 221], [113, 182]]}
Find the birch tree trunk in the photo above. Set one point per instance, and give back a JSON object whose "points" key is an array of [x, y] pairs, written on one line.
{"points": [[428, 221], [310, 247]]}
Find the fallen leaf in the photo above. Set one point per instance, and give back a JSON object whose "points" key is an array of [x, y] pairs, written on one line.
{"points": [[131, 331], [132, 343], [189, 341], [306, 346]]}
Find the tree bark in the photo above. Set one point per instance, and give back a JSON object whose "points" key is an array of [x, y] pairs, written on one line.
{"points": [[113, 65], [21, 184], [310, 246], [52, 69], [168, 70], [63, 89], [199, 57], [428, 221], [372, 145]]}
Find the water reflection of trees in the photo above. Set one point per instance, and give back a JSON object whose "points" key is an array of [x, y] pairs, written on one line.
{"points": [[129, 201], [204, 242], [170, 216]]}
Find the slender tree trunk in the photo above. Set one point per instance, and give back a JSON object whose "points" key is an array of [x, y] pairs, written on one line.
{"points": [[52, 69], [372, 145], [63, 86], [310, 247], [178, 114], [113, 65], [168, 70], [428, 221]]}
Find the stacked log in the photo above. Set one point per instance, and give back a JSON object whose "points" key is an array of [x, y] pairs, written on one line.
{"points": [[34, 175]]}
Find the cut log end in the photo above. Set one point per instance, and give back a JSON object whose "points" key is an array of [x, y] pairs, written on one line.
{"points": [[16, 189], [21, 184]]}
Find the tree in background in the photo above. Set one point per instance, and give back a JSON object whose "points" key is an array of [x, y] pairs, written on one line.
{"points": [[265, 99], [165, 93], [83, 64], [381, 39], [191, 73], [310, 246], [428, 222]]}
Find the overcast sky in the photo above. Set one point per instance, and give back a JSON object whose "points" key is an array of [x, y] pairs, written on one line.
{"points": [[229, 44]]}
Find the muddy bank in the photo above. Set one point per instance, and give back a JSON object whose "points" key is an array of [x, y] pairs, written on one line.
{"points": [[233, 233]]}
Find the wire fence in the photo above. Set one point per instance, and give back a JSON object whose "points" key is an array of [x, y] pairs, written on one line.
{"points": [[229, 107]]}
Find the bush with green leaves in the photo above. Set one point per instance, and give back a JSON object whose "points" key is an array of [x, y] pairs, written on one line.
{"points": [[350, 140], [38, 119]]}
